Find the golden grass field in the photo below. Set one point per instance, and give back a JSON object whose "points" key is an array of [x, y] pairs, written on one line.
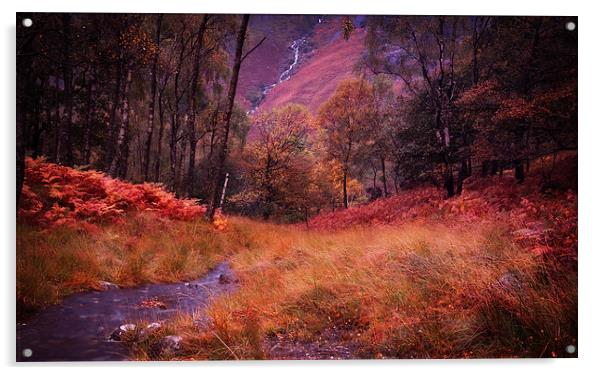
{"points": [[415, 291], [428, 287], [410, 291]]}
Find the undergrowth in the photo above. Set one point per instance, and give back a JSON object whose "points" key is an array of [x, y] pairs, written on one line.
{"points": [[413, 291]]}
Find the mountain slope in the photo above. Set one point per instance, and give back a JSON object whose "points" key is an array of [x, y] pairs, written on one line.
{"points": [[325, 58], [317, 80], [270, 59]]}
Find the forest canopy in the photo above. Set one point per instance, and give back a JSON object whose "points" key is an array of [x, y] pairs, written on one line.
{"points": [[433, 101]]}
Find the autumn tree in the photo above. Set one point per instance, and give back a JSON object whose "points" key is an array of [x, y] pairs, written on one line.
{"points": [[276, 168], [344, 121], [384, 123], [422, 53], [223, 132], [153, 95], [524, 103], [136, 50]]}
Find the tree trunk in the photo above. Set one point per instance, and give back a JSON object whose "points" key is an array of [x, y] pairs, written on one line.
{"points": [[23, 76], [449, 180], [469, 166], [118, 166], [223, 152], [24, 82], [374, 173], [160, 137], [112, 137], [345, 202], [151, 107], [214, 124], [494, 167], [57, 122], [192, 106], [20, 148], [462, 176], [173, 150], [519, 171], [485, 168], [175, 123], [382, 164], [179, 170], [36, 132], [88, 131], [67, 66]]}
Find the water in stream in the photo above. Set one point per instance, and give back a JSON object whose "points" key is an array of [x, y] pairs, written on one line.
{"points": [[286, 75], [79, 328]]}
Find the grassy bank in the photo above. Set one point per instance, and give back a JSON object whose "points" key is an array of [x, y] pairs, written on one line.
{"points": [[143, 249], [411, 291], [489, 273]]}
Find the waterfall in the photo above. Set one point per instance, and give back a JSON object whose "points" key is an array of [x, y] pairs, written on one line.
{"points": [[286, 75]]}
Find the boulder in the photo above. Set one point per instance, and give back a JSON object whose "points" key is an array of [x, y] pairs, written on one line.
{"points": [[118, 333], [224, 279], [106, 285]]}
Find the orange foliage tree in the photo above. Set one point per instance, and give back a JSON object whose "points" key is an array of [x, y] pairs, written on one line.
{"points": [[276, 168], [344, 122]]}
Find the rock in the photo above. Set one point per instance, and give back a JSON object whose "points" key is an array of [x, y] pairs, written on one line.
{"points": [[170, 344], [105, 285], [148, 330], [118, 333], [154, 326], [224, 279], [127, 327], [509, 281]]}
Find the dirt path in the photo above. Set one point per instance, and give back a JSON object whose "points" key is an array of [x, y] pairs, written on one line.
{"points": [[79, 328]]}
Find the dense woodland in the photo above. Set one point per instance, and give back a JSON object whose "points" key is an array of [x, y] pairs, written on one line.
{"points": [[435, 100]]}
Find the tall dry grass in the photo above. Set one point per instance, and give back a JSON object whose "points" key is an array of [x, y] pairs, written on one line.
{"points": [[146, 249], [410, 291]]}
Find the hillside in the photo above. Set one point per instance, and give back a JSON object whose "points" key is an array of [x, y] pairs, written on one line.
{"points": [[389, 279], [270, 59], [325, 59], [491, 273], [545, 220], [318, 79], [79, 230]]}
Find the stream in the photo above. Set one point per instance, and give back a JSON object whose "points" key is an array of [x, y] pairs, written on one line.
{"points": [[78, 329], [286, 75]]}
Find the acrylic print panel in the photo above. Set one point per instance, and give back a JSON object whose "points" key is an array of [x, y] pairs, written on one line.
{"points": [[204, 186]]}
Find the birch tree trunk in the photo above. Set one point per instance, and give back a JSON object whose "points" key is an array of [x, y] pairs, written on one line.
{"points": [[223, 139], [151, 107], [67, 65], [192, 107], [160, 135], [118, 166]]}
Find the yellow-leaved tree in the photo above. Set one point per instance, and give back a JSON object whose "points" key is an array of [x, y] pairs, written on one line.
{"points": [[344, 123]]}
